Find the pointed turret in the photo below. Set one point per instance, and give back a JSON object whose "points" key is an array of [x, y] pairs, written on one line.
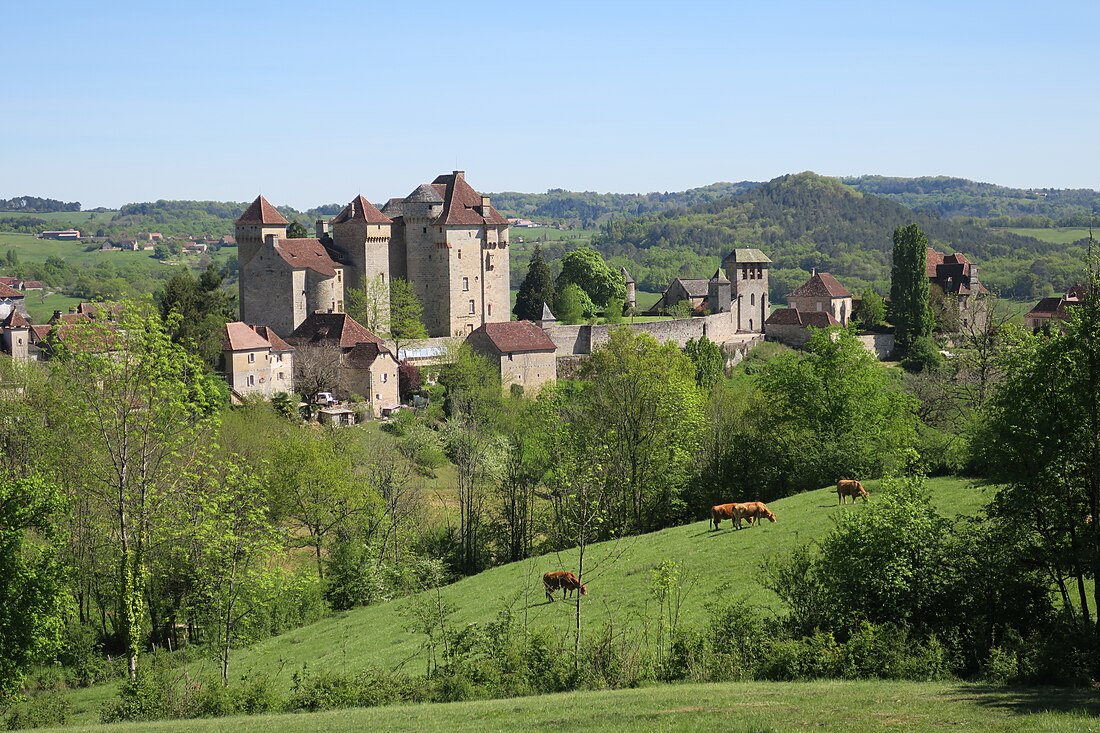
{"points": [[631, 292]]}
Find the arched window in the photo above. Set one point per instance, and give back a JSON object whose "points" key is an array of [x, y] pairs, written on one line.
{"points": [[752, 299]]}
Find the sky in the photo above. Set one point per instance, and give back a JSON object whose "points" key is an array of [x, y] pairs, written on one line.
{"points": [[314, 103]]}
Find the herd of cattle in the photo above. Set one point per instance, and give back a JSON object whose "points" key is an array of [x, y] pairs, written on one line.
{"points": [[738, 512]]}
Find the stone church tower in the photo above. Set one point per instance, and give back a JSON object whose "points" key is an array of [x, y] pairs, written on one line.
{"points": [[747, 270]]}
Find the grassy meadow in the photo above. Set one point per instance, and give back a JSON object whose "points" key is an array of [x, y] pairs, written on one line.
{"points": [[737, 707], [1055, 235], [721, 564]]}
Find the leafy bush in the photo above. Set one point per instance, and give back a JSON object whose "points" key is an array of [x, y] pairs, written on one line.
{"points": [[49, 708]]}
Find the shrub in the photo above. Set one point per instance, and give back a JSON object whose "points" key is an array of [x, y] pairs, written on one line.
{"points": [[1001, 666], [50, 708]]}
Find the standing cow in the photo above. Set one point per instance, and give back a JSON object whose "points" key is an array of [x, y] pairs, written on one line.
{"points": [[562, 580], [752, 511], [850, 487]]}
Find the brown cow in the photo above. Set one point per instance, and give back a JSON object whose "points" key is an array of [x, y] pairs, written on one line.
{"points": [[720, 512], [754, 510], [850, 487], [562, 580]]}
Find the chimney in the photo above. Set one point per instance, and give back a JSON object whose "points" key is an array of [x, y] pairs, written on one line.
{"points": [[271, 240], [56, 316], [321, 227], [460, 175], [485, 207]]}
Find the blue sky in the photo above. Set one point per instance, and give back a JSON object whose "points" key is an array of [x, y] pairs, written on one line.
{"points": [[310, 103]]}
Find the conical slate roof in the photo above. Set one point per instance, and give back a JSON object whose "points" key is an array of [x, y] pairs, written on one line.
{"points": [[719, 276], [547, 315]]}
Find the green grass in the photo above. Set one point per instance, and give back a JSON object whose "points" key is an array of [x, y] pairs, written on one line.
{"points": [[535, 235], [41, 308], [719, 564], [1057, 235], [741, 707]]}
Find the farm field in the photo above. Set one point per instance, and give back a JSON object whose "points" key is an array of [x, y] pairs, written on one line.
{"points": [[721, 564], [82, 220], [739, 707], [533, 235], [1057, 235]]}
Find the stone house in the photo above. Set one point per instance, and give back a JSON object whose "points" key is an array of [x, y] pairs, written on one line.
{"points": [[957, 278], [792, 327], [1050, 311], [257, 361], [364, 365], [521, 351], [693, 290], [12, 300], [15, 335], [822, 293]]}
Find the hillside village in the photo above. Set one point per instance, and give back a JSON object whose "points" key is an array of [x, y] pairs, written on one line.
{"points": [[489, 449]]}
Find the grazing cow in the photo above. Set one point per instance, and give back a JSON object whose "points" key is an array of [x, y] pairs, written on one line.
{"points": [[754, 510], [562, 580], [720, 512], [850, 487]]}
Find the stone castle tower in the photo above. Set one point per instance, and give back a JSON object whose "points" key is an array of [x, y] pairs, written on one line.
{"points": [[747, 270], [452, 246], [283, 280], [445, 238]]}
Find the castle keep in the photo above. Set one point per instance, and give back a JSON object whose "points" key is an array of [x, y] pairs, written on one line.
{"points": [[445, 238]]}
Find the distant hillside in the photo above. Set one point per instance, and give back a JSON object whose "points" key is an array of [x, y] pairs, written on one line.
{"points": [[804, 220], [36, 205], [953, 197], [585, 209]]}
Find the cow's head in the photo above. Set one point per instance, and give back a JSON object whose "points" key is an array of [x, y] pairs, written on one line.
{"points": [[771, 517], [584, 589]]}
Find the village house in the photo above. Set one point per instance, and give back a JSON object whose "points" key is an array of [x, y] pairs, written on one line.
{"points": [[742, 289], [1054, 310], [12, 300], [360, 363], [822, 293], [256, 361], [957, 278], [520, 351], [15, 336]]}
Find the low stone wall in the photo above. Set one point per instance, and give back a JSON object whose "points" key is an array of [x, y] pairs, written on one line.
{"points": [[582, 339], [879, 344]]}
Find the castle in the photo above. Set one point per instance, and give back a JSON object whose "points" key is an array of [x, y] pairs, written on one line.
{"points": [[421, 237]]}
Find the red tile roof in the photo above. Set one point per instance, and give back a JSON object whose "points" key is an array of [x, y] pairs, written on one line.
{"points": [[15, 319], [261, 212], [360, 208], [462, 204], [516, 337], [332, 329], [935, 259], [276, 341], [818, 319], [307, 253], [241, 337], [784, 317], [6, 292], [821, 285]]}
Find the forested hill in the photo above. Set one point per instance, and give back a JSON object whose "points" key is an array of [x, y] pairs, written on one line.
{"points": [[954, 197], [586, 208], [804, 220]]}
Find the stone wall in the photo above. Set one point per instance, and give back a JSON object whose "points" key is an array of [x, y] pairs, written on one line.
{"points": [[582, 339], [879, 344]]}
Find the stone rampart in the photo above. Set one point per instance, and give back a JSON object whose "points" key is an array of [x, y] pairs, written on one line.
{"points": [[720, 328]]}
